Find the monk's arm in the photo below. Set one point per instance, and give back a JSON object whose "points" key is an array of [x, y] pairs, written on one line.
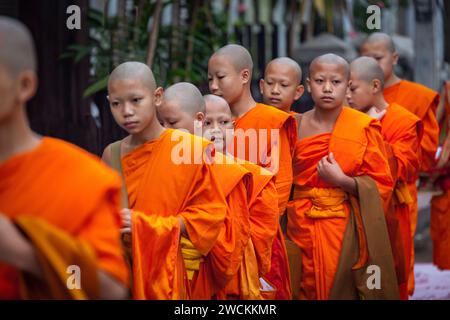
{"points": [[106, 156], [16, 250]]}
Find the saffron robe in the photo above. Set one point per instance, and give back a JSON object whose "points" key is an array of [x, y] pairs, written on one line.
{"points": [[71, 190], [403, 132], [319, 214], [423, 102], [168, 178], [440, 204], [271, 149]]}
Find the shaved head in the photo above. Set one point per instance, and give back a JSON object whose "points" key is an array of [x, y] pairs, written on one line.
{"points": [[332, 59], [217, 103], [380, 37], [17, 52], [187, 96], [133, 70], [292, 64], [239, 56], [367, 69]]}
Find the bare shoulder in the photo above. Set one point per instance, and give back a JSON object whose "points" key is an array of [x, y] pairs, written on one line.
{"points": [[106, 156]]}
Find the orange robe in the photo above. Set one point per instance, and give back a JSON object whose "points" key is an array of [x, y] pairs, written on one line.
{"points": [[317, 221], [71, 190], [229, 251], [161, 188], [271, 149], [403, 132], [423, 102], [440, 204]]}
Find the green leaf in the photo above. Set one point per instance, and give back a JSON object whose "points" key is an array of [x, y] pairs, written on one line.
{"points": [[96, 87]]}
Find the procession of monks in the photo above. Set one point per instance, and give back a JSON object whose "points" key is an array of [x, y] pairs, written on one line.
{"points": [[219, 196]]}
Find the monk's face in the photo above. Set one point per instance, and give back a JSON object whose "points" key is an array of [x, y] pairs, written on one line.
{"points": [[224, 80], [328, 85], [280, 86], [133, 104], [8, 91], [380, 52], [360, 94], [218, 125], [171, 115]]}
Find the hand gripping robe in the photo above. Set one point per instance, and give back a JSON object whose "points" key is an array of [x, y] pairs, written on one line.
{"points": [[168, 178], [421, 101], [440, 204], [62, 197], [402, 131], [275, 133], [321, 215]]}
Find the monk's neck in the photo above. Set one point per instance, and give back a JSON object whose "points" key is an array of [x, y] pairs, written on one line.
{"points": [[380, 103], [244, 105], [16, 136], [152, 132], [326, 117], [393, 80]]}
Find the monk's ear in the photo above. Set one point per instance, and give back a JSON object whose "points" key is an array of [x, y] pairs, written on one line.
{"points": [[376, 86], [27, 85], [158, 96], [245, 76], [308, 84], [299, 92], [200, 116], [395, 58], [261, 85]]}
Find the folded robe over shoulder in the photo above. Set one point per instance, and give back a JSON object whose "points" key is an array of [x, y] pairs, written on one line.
{"points": [[403, 132], [167, 178], [423, 102], [225, 258], [70, 189], [275, 134], [274, 151], [320, 212]]}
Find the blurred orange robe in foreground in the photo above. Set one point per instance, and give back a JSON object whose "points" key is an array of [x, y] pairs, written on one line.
{"points": [[319, 214], [71, 190], [423, 102], [167, 178], [271, 149], [403, 132]]}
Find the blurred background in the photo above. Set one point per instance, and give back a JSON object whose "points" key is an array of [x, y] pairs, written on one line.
{"points": [[176, 38]]}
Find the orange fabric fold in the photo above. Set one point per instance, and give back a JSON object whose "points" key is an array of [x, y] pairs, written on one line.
{"points": [[359, 150], [403, 133], [54, 182], [162, 189], [274, 148]]}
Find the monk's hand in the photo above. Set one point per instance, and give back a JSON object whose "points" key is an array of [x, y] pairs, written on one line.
{"points": [[330, 171], [126, 220], [374, 113]]}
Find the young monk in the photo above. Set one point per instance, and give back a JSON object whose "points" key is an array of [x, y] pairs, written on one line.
{"points": [[340, 174], [176, 207], [417, 99], [440, 203], [281, 85], [59, 206], [183, 107], [263, 135], [402, 130], [218, 127]]}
